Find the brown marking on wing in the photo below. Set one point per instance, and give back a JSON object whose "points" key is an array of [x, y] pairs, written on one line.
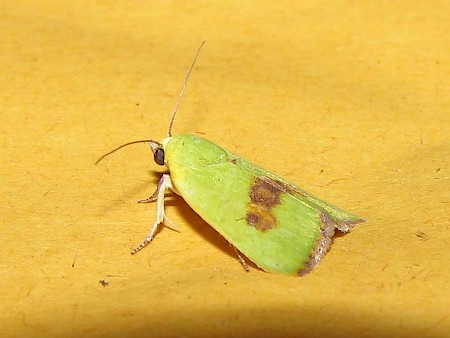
{"points": [[283, 186], [260, 218], [265, 195]]}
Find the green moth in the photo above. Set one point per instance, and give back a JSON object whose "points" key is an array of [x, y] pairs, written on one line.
{"points": [[278, 226]]}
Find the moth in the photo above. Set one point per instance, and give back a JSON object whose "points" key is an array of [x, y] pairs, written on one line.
{"points": [[275, 224]]}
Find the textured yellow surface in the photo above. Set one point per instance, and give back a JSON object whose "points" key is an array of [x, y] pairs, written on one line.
{"points": [[350, 100]]}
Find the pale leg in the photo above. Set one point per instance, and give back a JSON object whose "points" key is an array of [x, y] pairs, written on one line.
{"points": [[241, 259], [158, 196]]}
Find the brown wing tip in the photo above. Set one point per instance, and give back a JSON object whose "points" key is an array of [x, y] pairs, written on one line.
{"points": [[322, 246], [347, 225]]}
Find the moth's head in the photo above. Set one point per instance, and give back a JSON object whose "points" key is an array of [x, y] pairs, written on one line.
{"points": [[158, 150]]}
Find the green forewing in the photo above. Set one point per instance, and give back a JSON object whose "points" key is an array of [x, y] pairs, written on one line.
{"points": [[220, 187]]}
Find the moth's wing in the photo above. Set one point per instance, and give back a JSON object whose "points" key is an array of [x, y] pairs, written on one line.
{"points": [[328, 217], [273, 229], [342, 220], [276, 226]]}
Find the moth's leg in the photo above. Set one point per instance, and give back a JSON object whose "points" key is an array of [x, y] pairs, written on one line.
{"points": [[172, 189], [154, 196], [241, 259], [172, 226], [158, 196]]}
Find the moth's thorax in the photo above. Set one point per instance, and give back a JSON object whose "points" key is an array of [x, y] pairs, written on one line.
{"points": [[190, 151]]}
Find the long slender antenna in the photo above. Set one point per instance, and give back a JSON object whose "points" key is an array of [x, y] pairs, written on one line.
{"points": [[124, 145], [183, 88], [172, 119]]}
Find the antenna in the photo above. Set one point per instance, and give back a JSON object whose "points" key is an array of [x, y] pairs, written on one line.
{"points": [[124, 145], [154, 144], [183, 88]]}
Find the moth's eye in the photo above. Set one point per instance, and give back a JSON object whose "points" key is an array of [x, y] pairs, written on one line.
{"points": [[159, 156]]}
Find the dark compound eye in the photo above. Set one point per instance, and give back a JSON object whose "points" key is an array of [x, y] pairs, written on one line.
{"points": [[159, 156]]}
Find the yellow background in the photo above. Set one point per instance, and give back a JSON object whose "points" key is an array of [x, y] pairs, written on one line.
{"points": [[348, 99]]}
